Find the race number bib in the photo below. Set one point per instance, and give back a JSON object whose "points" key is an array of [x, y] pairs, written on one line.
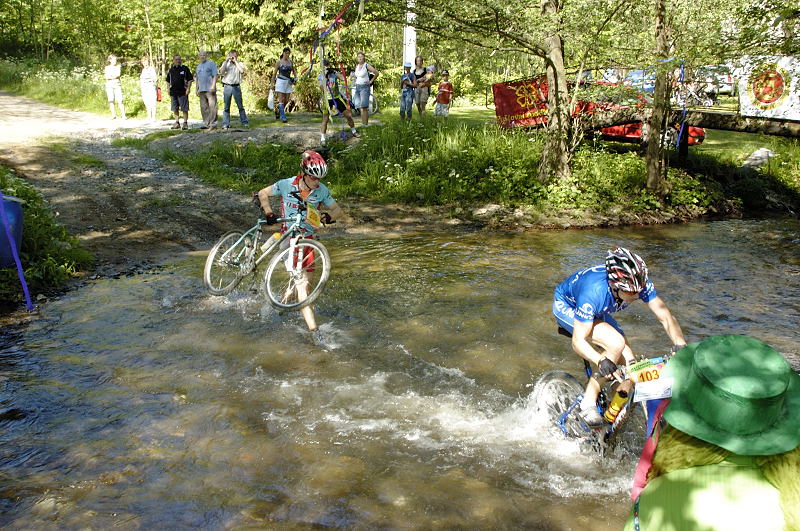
{"points": [[313, 217], [649, 384], [647, 370]]}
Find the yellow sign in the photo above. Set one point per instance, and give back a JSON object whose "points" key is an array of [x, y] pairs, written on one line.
{"points": [[313, 217]]}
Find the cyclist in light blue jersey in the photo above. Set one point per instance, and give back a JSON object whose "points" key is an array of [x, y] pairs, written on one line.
{"points": [[583, 305], [311, 191]]}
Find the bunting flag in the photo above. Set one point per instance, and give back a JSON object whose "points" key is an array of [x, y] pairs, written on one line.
{"points": [[770, 88]]}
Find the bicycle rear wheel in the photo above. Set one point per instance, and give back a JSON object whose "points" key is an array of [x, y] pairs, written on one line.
{"points": [[224, 265], [296, 277], [554, 394]]}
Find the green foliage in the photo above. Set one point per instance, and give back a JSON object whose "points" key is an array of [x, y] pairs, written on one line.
{"points": [[143, 142], [774, 186], [438, 162], [242, 167], [49, 254]]}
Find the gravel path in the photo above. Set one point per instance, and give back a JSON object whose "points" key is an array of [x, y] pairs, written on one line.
{"points": [[130, 208]]}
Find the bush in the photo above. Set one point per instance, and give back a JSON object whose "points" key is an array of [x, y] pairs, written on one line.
{"points": [[49, 254]]}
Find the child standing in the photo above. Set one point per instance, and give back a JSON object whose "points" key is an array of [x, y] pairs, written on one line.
{"points": [[407, 85], [444, 96]]}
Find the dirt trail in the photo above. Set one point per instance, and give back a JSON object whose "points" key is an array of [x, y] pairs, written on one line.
{"points": [[130, 208]]}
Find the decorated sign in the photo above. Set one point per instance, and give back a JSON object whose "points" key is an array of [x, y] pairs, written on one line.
{"points": [[312, 216], [770, 88], [521, 103]]}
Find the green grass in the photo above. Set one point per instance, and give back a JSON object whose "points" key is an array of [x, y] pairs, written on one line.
{"points": [[163, 202], [774, 186], [241, 167], [731, 144], [49, 254], [143, 142]]}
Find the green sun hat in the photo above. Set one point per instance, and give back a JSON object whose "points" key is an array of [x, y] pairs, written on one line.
{"points": [[736, 392]]}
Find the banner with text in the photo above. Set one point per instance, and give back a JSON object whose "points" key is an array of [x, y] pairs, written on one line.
{"points": [[521, 103], [770, 88]]}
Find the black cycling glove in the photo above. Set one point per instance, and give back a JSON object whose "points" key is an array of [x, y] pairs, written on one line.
{"points": [[271, 218], [607, 367], [326, 218]]}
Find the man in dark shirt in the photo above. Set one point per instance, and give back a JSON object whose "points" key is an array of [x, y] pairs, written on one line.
{"points": [[179, 79]]}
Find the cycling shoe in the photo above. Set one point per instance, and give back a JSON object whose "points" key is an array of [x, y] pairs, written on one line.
{"points": [[591, 417]]}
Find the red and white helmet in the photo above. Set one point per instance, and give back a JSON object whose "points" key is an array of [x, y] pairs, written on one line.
{"points": [[312, 163], [626, 271]]}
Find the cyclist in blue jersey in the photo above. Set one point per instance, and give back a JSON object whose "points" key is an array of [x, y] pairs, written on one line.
{"points": [[583, 305], [307, 184]]}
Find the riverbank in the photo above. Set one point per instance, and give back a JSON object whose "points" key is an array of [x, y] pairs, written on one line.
{"points": [[134, 209]]}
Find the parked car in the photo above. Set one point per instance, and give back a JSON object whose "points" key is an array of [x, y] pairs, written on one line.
{"points": [[644, 80], [523, 103], [633, 133], [609, 96]]}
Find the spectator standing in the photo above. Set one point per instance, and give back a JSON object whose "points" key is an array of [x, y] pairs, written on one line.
{"points": [[179, 79], [112, 74], [365, 75], [728, 457], [333, 98], [147, 84], [407, 84], [282, 81], [206, 76], [444, 96], [422, 90], [231, 72]]}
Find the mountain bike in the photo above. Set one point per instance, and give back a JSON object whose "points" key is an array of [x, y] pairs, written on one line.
{"points": [[295, 275], [558, 395]]}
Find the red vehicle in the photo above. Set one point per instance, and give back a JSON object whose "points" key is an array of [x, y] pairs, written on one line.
{"points": [[632, 132], [524, 104]]}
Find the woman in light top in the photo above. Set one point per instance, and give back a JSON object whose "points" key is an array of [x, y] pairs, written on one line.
{"points": [[147, 84], [365, 75]]}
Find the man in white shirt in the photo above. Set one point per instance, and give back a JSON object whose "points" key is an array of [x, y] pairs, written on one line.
{"points": [[231, 73]]}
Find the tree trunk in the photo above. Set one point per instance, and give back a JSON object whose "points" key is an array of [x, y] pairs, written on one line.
{"points": [[556, 155], [656, 169]]}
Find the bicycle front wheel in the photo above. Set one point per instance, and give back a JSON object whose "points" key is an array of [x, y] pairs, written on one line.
{"points": [[296, 276], [223, 270], [554, 394]]}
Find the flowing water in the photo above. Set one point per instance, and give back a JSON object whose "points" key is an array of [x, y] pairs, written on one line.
{"points": [[142, 402]]}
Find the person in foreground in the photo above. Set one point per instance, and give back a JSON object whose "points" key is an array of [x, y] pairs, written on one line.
{"points": [[313, 168], [728, 457], [583, 304]]}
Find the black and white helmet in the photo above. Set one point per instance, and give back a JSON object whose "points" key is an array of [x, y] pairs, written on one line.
{"points": [[626, 270]]}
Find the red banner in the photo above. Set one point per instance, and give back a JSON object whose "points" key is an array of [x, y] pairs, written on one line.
{"points": [[521, 103]]}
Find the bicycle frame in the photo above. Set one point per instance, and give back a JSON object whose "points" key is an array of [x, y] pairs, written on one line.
{"points": [[256, 230], [605, 434]]}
